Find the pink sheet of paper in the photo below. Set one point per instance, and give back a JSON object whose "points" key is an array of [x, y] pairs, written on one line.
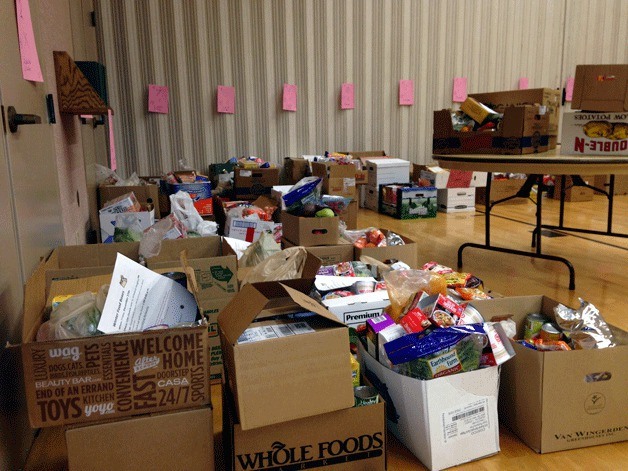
{"points": [[158, 99], [289, 97], [112, 145], [460, 89], [226, 99], [523, 83], [569, 89], [406, 92], [346, 96], [31, 70]]}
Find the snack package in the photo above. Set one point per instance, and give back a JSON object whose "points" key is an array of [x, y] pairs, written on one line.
{"points": [[587, 324], [404, 285], [338, 204], [307, 190]]}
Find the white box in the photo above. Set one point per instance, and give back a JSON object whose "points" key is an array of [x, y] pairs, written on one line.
{"points": [[456, 200], [445, 421], [355, 310], [437, 176], [108, 222], [478, 179], [385, 171], [251, 229], [612, 126]]}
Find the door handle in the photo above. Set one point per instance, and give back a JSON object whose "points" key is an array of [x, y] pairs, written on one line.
{"points": [[18, 119]]}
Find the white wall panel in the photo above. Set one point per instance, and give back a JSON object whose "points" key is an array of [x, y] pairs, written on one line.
{"points": [[193, 46]]}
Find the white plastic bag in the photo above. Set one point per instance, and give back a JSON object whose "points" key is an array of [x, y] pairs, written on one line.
{"points": [[285, 265]]}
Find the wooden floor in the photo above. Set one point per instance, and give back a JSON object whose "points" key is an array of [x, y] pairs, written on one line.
{"points": [[601, 278]]}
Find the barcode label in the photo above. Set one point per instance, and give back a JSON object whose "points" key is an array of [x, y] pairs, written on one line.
{"points": [[282, 330], [463, 422], [273, 331], [467, 414], [301, 328]]}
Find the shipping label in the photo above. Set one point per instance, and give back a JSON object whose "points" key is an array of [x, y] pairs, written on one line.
{"points": [[465, 421]]}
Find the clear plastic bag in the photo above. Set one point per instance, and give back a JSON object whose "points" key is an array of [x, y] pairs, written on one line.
{"points": [[75, 317], [128, 228], [285, 265], [404, 285], [166, 228], [259, 251]]}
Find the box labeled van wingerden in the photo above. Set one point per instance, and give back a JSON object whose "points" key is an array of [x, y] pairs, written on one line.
{"points": [[557, 401]]}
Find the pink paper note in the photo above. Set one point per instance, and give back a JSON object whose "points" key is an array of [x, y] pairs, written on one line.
{"points": [[226, 99], [112, 145], [406, 92], [523, 83], [158, 99], [289, 97], [346, 97], [569, 89], [31, 70], [460, 89]]}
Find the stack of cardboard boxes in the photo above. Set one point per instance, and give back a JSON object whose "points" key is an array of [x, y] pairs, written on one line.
{"points": [[456, 189], [383, 172]]}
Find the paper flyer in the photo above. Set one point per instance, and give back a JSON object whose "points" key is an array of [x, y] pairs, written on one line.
{"points": [[139, 299]]}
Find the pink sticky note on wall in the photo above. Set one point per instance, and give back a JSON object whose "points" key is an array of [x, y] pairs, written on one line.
{"points": [[406, 92], [289, 97], [569, 89], [226, 99], [31, 70], [523, 83], [158, 99], [112, 145], [346, 97], [460, 89]]}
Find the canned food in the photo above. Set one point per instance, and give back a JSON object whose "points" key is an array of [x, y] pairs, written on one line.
{"points": [[361, 287], [533, 325], [365, 395], [550, 332], [471, 315]]}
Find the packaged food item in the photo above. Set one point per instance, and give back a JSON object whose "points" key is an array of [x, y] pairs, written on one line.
{"points": [[338, 204], [550, 332], [371, 238], [305, 191], [587, 319], [339, 293], [446, 312], [365, 396], [415, 321], [551, 345], [469, 294], [533, 324], [361, 287], [355, 370], [404, 285]]}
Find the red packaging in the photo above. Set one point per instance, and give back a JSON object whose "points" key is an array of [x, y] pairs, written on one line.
{"points": [[415, 321]]}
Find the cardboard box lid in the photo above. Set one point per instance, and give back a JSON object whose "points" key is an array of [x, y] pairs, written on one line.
{"points": [[601, 88], [236, 317]]}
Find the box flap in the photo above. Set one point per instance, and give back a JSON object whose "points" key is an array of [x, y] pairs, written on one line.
{"points": [[308, 303], [601, 88], [237, 316]]}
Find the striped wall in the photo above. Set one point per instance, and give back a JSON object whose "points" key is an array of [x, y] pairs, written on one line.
{"points": [[256, 46]]}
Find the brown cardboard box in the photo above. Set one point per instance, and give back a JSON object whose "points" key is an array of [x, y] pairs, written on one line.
{"points": [[352, 439], [295, 169], [285, 378], [145, 194], [601, 88], [405, 253], [174, 440], [523, 131], [576, 193], [620, 185], [310, 231], [502, 188], [350, 215], [249, 184], [533, 96], [328, 254], [337, 179], [560, 400]]}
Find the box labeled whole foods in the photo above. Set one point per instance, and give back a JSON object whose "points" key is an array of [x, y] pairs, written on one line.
{"points": [[107, 376], [406, 253], [444, 421], [310, 231], [523, 130], [283, 368], [585, 133], [560, 400], [351, 439], [178, 440], [601, 87]]}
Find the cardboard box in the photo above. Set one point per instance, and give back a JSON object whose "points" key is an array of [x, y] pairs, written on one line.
{"points": [[328, 254], [441, 178], [295, 169], [445, 421], [456, 200], [502, 188], [601, 88], [108, 376], [337, 179], [310, 231], [352, 439], [546, 97], [575, 193], [355, 310], [145, 219], [146, 194], [350, 215], [284, 378], [523, 131], [587, 133], [538, 388], [405, 253], [174, 440], [408, 201], [251, 183], [370, 197], [620, 185]]}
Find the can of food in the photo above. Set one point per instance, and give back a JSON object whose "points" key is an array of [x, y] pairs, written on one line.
{"points": [[365, 395], [177, 276], [471, 315], [550, 332], [365, 286], [533, 325]]}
